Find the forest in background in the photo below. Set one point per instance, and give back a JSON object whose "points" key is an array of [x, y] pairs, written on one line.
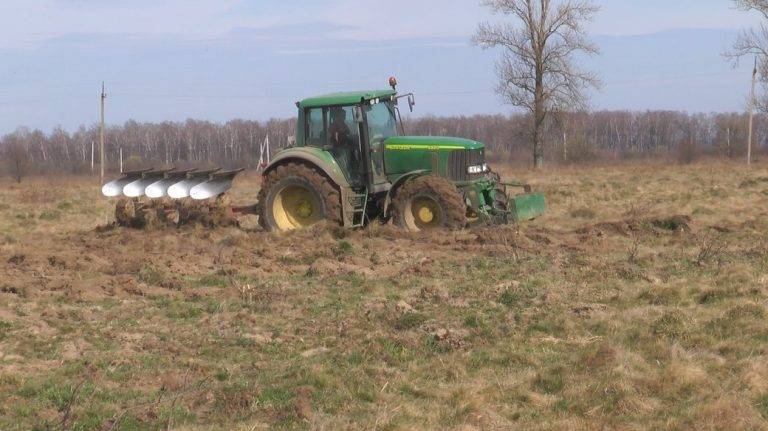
{"points": [[602, 136]]}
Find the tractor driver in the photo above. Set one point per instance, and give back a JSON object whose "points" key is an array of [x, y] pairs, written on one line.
{"points": [[339, 131], [341, 141]]}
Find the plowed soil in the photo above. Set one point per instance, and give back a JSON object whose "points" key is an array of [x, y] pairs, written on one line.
{"points": [[638, 302]]}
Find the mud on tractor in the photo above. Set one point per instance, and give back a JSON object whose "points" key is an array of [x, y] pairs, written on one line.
{"points": [[352, 164]]}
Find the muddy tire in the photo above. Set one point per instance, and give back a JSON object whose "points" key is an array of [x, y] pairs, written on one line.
{"points": [[295, 196], [429, 202]]}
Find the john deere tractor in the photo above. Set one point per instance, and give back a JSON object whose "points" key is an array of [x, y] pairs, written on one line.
{"points": [[352, 164]]}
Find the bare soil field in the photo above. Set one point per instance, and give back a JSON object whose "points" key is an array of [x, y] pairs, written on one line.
{"points": [[640, 301]]}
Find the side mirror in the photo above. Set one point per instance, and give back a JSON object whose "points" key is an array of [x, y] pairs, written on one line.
{"points": [[411, 101], [358, 112]]}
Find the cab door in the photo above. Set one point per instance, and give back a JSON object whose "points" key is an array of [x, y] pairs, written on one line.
{"points": [[334, 130], [380, 125]]}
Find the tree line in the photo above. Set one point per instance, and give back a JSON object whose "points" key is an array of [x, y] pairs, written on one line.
{"points": [[568, 138]]}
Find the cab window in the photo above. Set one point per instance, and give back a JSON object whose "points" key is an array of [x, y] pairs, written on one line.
{"points": [[317, 122], [334, 130]]}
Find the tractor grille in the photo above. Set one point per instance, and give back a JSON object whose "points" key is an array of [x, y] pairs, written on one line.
{"points": [[460, 160]]}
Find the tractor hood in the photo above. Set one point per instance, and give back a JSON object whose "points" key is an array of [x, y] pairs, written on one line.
{"points": [[405, 154], [430, 143]]}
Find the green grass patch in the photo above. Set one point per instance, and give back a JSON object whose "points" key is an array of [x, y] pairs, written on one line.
{"points": [[65, 206], [151, 275], [550, 381], [5, 329], [50, 215], [762, 406], [408, 321], [213, 280], [583, 213]]}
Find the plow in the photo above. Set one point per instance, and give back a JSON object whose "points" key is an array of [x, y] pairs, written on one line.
{"points": [[150, 198], [352, 164]]}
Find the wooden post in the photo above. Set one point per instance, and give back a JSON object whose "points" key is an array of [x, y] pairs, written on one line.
{"points": [[101, 131], [752, 103], [93, 156]]}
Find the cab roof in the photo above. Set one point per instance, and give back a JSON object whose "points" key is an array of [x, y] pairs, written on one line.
{"points": [[347, 98]]}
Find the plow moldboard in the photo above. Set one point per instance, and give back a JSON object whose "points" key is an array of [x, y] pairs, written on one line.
{"points": [[210, 189]]}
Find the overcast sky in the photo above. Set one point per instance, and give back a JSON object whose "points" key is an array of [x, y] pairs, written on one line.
{"points": [[64, 48], [26, 22]]}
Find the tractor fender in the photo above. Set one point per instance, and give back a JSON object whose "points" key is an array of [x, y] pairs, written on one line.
{"points": [[326, 164], [398, 183], [316, 157]]}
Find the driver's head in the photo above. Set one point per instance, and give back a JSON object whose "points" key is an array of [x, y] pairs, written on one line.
{"points": [[338, 115]]}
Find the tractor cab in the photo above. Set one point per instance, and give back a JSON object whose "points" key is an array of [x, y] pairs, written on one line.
{"points": [[352, 127]]}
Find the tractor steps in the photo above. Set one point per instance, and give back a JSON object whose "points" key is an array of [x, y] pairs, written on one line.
{"points": [[359, 204]]}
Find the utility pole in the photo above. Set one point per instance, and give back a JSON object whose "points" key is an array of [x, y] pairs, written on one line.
{"points": [[101, 132], [93, 158], [565, 146], [752, 104]]}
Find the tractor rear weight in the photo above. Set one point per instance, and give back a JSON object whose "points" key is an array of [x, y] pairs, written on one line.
{"points": [[352, 164]]}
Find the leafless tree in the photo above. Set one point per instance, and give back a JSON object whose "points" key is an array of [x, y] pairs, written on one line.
{"points": [[537, 70], [17, 159], [753, 42]]}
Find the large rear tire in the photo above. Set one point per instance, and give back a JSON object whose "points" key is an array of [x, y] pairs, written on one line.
{"points": [[429, 202], [295, 196]]}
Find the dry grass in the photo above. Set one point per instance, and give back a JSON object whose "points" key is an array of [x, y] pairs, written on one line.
{"points": [[638, 302]]}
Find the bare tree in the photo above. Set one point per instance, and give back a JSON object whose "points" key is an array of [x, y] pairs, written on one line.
{"points": [[753, 42], [17, 158], [537, 70]]}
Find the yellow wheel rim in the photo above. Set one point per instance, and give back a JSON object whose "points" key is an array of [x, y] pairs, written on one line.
{"points": [[296, 207], [423, 213]]}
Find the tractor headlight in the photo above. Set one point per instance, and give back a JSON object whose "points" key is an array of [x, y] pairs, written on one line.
{"points": [[479, 169]]}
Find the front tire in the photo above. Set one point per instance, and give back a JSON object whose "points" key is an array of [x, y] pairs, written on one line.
{"points": [[295, 196], [429, 202]]}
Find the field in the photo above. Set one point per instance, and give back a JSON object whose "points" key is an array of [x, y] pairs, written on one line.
{"points": [[639, 302]]}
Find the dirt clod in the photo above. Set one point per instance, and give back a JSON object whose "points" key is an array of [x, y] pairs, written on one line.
{"points": [[160, 214], [403, 307], [632, 226]]}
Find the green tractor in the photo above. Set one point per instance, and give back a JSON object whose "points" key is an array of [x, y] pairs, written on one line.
{"points": [[353, 164]]}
